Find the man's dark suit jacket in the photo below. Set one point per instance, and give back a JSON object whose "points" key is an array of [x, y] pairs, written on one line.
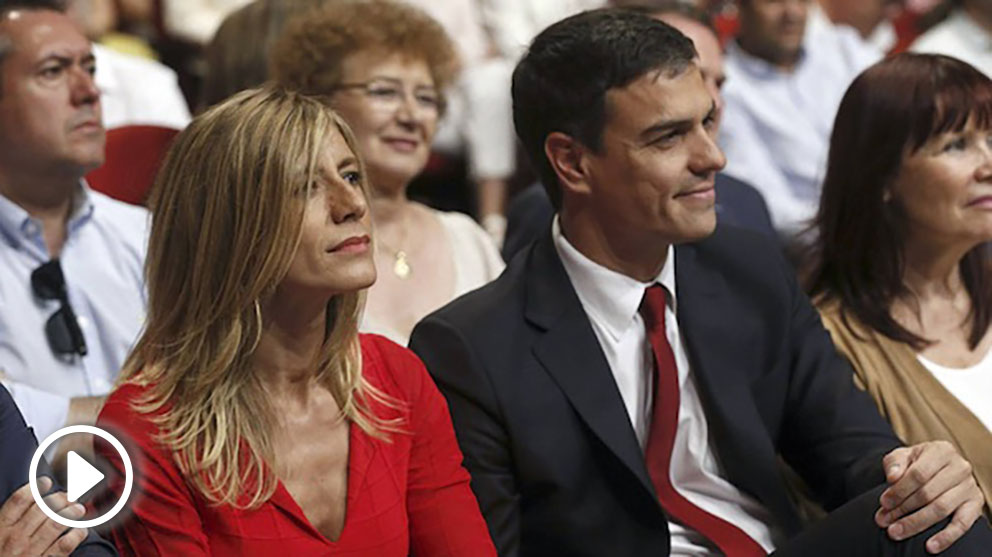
{"points": [[737, 204], [17, 446], [554, 460]]}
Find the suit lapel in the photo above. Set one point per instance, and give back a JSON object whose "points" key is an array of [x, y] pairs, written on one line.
{"points": [[570, 352], [712, 340]]}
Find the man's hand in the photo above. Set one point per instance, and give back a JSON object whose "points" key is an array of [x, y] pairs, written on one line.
{"points": [[25, 531], [928, 483]]}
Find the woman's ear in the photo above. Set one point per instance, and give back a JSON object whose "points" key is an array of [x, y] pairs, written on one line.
{"points": [[565, 155]]}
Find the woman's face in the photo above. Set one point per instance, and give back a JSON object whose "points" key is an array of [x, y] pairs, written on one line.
{"points": [[393, 107], [945, 188], [335, 252]]}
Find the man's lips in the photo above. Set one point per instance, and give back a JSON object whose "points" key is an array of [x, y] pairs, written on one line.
{"points": [[702, 191], [354, 244]]}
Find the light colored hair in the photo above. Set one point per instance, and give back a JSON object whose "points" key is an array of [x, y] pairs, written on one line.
{"points": [[224, 231]]}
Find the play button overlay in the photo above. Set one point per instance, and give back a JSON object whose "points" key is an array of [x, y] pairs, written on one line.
{"points": [[81, 476]]}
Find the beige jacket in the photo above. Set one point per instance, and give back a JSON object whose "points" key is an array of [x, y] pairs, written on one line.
{"points": [[908, 395]]}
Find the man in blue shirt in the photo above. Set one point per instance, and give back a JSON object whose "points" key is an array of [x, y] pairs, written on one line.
{"points": [[787, 71], [71, 290]]}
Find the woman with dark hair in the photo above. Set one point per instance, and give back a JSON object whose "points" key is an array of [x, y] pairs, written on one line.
{"points": [[900, 270]]}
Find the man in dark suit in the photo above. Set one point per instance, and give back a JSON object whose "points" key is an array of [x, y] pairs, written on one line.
{"points": [[628, 385], [24, 528]]}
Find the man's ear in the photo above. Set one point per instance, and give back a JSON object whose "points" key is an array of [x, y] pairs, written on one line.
{"points": [[566, 154]]}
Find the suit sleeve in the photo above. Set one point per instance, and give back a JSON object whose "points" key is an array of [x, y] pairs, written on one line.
{"points": [[18, 447], [833, 436], [163, 517], [478, 424]]}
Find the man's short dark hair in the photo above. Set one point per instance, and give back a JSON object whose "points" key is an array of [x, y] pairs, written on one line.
{"points": [[561, 82]]}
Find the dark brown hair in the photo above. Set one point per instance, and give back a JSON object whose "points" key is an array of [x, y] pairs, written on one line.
{"points": [[890, 111]]}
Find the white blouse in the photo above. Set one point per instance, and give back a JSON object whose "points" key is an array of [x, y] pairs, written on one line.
{"points": [[971, 385]]}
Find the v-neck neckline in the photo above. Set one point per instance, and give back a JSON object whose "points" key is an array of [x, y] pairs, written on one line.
{"points": [[360, 450]]}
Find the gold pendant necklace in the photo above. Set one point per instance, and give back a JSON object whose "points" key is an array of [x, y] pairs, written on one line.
{"points": [[401, 267], [401, 261]]}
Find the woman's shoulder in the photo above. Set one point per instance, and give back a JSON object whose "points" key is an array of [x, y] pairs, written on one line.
{"points": [[391, 367], [120, 413], [471, 241]]}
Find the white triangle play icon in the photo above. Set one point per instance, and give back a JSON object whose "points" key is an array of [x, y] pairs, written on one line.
{"points": [[81, 476]]}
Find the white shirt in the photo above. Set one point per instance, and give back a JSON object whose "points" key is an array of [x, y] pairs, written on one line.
{"points": [[513, 24], [463, 23], [776, 125], [971, 385], [611, 301], [135, 91], [196, 21], [959, 36], [102, 259]]}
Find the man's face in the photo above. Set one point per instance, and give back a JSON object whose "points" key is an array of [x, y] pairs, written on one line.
{"points": [[710, 59], [49, 104], [774, 28], [652, 181]]}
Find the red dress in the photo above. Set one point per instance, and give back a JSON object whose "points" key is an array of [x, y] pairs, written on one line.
{"points": [[407, 496]]}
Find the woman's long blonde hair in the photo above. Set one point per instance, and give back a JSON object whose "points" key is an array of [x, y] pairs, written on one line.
{"points": [[225, 228]]}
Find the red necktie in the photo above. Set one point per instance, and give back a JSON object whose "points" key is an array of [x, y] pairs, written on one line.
{"points": [[729, 539]]}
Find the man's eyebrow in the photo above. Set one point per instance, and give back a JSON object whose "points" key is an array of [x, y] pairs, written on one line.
{"points": [[664, 126], [66, 59]]}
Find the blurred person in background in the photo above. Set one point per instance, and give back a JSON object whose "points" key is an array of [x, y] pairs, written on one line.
{"points": [[873, 19], [786, 73], [900, 269], [262, 422], [965, 34], [237, 56], [384, 66], [479, 116], [196, 21], [71, 259]]}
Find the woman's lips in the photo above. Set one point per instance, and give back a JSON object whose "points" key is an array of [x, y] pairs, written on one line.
{"points": [[402, 145], [984, 202], [355, 244]]}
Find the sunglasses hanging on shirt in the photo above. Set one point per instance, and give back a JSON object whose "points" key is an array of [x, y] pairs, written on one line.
{"points": [[62, 329]]}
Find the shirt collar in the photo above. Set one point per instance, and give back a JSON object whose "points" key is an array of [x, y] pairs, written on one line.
{"points": [[18, 226], [610, 298]]}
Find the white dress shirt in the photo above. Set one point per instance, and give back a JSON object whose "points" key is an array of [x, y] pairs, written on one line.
{"points": [[776, 125], [959, 36], [611, 301], [102, 260], [137, 91]]}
